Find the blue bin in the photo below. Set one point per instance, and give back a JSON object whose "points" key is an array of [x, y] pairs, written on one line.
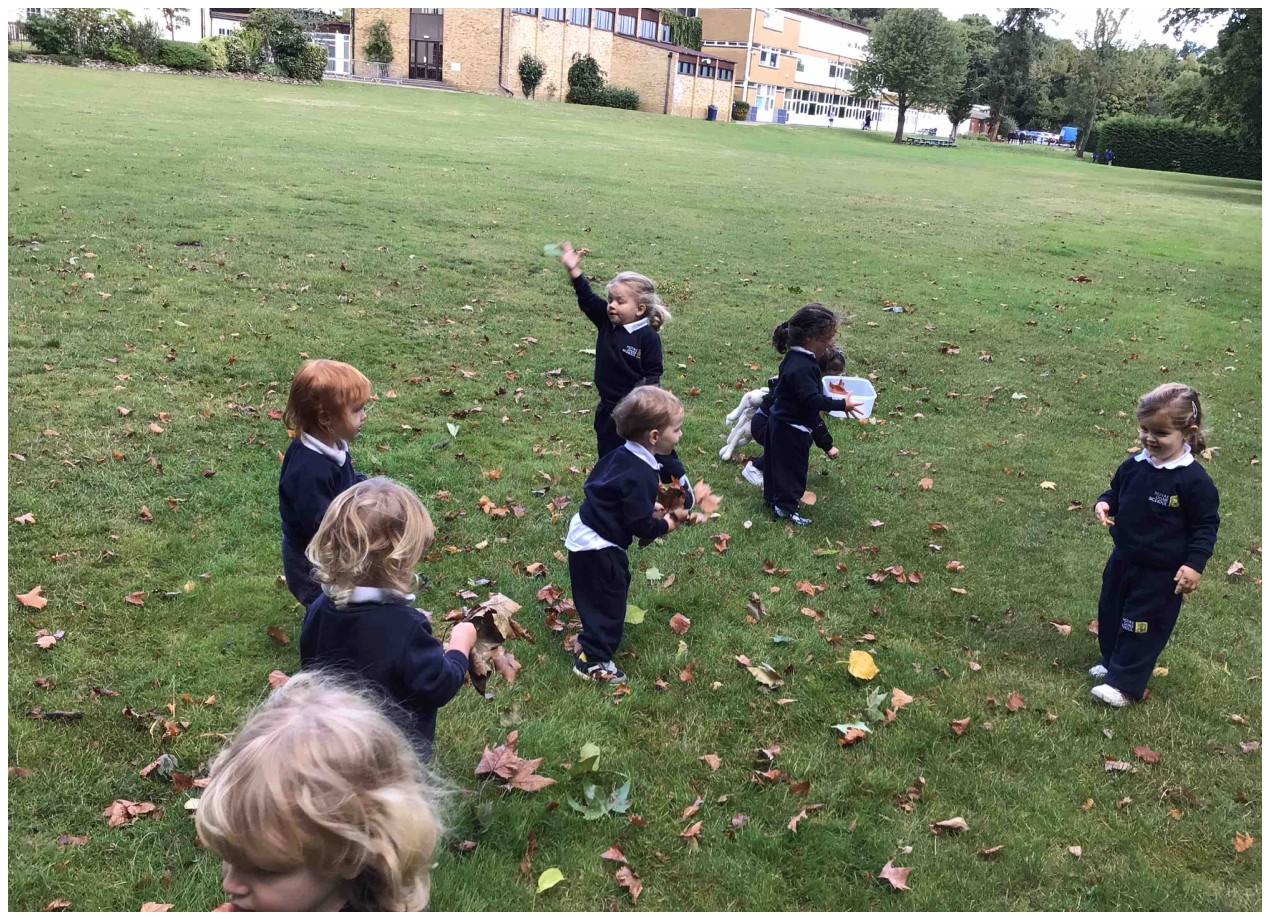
{"points": [[782, 116], [712, 112]]}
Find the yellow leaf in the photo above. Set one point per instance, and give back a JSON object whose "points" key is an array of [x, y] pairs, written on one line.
{"points": [[1049, 485], [549, 879], [861, 665], [1160, 672]]}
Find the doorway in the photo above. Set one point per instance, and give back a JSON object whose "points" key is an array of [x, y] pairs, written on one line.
{"points": [[425, 60]]}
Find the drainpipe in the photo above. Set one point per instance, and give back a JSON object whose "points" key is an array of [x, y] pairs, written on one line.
{"points": [[670, 63], [502, 31], [749, 53]]}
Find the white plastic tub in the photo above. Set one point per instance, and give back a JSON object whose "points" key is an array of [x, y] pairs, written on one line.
{"points": [[861, 391]]}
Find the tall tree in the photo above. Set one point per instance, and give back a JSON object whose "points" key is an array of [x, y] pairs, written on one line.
{"points": [[978, 36], [1101, 56], [855, 16], [916, 54], [173, 17], [1018, 35], [1233, 69]]}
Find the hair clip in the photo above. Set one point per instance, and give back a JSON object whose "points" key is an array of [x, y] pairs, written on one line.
{"points": [[1194, 410]]}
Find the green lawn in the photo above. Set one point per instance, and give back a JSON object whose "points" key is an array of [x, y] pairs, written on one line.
{"points": [[402, 231]]}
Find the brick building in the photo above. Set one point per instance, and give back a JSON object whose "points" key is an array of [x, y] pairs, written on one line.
{"points": [[478, 50]]}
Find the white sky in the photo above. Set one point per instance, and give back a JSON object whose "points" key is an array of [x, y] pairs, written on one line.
{"points": [[1142, 24]]}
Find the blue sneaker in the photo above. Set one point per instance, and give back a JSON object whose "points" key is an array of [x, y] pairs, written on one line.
{"points": [[599, 671]]}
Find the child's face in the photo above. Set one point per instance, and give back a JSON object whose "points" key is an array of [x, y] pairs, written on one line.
{"points": [[623, 307], [346, 426], [299, 889], [1157, 434], [821, 345], [663, 440]]}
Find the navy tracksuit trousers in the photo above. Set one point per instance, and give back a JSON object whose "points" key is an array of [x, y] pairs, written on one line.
{"points": [[606, 436], [787, 452], [1137, 611], [298, 570], [758, 432], [601, 580]]}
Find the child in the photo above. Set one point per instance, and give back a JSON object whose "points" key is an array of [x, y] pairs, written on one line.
{"points": [[796, 408], [621, 493], [627, 350], [325, 408], [1165, 507], [832, 363], [320, 803], [364, 554]]}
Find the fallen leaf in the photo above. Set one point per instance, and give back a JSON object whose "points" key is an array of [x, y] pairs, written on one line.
{"points": [[691, 810], [802, 813], [154, 907], [122, 811], [33, 598], [1063, 628], [991, 851], [860, 665], [809, 498], [277, 635], [1075, 851], [925, 484], [71, 840], [57, 904], [693, 831], [952, 825], [721, 542], [1117, 766], [277, 679], [136, 598], [897, 876], [899, 699], [27, 518], [1146, 754], [1243, 842], [614, 853], [627, 878], [959, 726], [1236, 568], [549, 879], [1014, 702], [710, 760], [680, 623], [1249, 746], [1049, 486]]}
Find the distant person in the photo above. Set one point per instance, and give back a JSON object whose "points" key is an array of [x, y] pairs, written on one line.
{"points": [[831, 118], [1108, 156], [868, 121]]}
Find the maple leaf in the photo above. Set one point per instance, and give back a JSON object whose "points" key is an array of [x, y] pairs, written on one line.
{"points": [[33, 598], [925, 484], [693, 831], [27, 518], [802, 813], [895, 875], [1243, 841], [1236, 568], [526, 779], [1146, 754], [627, 878], [277, 679], [809, 498], [680, 623], [721, 542], [951, 825], [137, 598], [899, 699], [614, 853], [959, 726]]}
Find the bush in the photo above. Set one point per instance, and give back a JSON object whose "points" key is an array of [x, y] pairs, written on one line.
{"points": [[283, 39], [50, 34], [740, 110], [313, 62], [215, 48], [238, 57], [66, 60], [17, 55], [141, 37], [1152, 142], [184, 56], [121, 55], [531, 72], [615, 98], [378, 47], [586, 82], [270, 70]]}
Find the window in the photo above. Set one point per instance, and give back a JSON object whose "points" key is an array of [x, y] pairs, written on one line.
{"points": [[839, 70], [665, 32], [580, 16], [648, 29], [554, 14], [769, 58], [765, 98], [707, 70], [527, 10], [725, 73], [798, 65], [604, 20], [773, 19], [625, 24], [687, 67]]}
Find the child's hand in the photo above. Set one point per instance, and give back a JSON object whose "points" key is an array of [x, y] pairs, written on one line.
{"points": [[851, 406], [659, 510], [571, 258], [833, 453], [671, 523], [1187, 580], [1100, 512], [462, 638]]}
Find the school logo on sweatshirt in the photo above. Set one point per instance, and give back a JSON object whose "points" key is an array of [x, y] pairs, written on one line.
{"points": [[1163, 498], [631, 350]]}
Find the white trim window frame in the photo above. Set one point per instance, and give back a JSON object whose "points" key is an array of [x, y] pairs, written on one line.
{"points": [[580, 15], [625, 25], [604, 20], [553, 13], [769, 57]]}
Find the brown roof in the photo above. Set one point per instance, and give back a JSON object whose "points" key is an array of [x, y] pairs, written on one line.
{"points": [[682, 49], [829, 19]]}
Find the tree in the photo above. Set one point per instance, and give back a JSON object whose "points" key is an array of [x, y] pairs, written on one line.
{"points": [[858, 17], [531, 73], [1018, 35], [1101, 55], [378, 47], [916, 54], [1189, 98], [173, 17], [1233, 69], [978, 36]]}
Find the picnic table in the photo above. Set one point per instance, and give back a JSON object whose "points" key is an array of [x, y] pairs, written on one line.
{"points": [[926, 141]]}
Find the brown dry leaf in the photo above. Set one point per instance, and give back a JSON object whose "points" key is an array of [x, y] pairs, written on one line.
{"points": [[800, 788], [136, 598], [721, 542], [615, 853], [954, 566], [1014, 702], [1243, 841], [808, 588], [71, 840], [57, 904], [710, 760], [991, 851], [1146, 754], [951, 825], [691, 810], [145, 514], [957, 590], [124, 410], [802, 813], [277, 679], [925, 483], [959, 726], [27, 518], [1116, 766], [154, 907], [1075, 851], [527, 861], [895, 875], [1063, 628], [1236, 568], [693, 831], [277, 635], [123, 811], [809, 498], [33, 598], [680, 623], [155, 428], [627, 878]]}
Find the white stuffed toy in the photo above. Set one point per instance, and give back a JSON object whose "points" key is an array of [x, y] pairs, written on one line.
{"points": [[739, 418]]}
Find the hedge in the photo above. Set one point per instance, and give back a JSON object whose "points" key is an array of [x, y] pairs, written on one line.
{"points": [[1173, 145], [184, 56]]}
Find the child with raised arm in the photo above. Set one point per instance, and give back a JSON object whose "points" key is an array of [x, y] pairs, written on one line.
{"points": [[1165, 510], [804, 338], [627, 350], [620, 505], [326, 409], [319, 802], [365, 555]]}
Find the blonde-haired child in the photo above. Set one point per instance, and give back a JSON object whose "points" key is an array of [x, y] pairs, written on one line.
{"points": [[1165, 509], [319, 802], [326, 409], [365, 553], [627, 350], [621, 497]]}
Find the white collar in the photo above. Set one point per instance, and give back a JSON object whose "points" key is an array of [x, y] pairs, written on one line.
{"points": [[635, 326], [803, 350], [639, 450], [338, 454], [364, 595], [1185, 460]]}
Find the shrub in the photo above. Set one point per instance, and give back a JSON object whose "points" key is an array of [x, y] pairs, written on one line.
{"points": [[254, 45], [378, 47], [238, 58], [17, 55], [1152, 142], [313, 62], [531, 72], [270, 70], [615, 98], [141, 37], [66, 60], [50, 34], [740, 110], [586, 81], [215, 48], [121, 55], [184, 56]]}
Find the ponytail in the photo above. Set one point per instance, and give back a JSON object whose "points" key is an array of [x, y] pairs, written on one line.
{"points": [[780, 338], [808, 323]]}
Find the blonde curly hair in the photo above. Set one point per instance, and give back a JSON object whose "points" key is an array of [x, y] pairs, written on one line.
{"points": [[372, 535], [319, 777], [644, 291]]}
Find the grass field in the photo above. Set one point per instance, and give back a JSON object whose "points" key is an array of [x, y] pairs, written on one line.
{"points": [[236, 227]]}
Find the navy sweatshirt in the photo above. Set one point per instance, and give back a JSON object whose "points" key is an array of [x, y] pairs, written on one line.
{"points": [[390, 645], [1164, 518], [308, 484], [819, 431], [620, 494], [799, 400], [623, 360]]}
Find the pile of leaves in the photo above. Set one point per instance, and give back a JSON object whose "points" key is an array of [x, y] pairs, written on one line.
{"points": [[493, 619], [671, 501]]}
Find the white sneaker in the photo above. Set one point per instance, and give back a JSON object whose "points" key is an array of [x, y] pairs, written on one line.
{"points": [[1098, 670], [753, 475], [1105, 693]]}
